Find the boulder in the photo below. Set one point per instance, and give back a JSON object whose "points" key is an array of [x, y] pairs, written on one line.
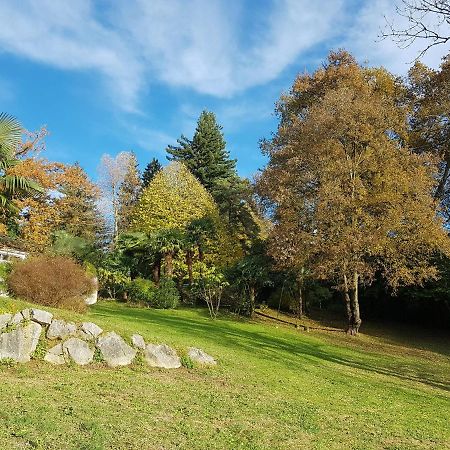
{"points": [[90, 331], [115, 351], [91, 299], [59, 329], [55, 355], [4, 320], [78, 350], [41, 316], [201, 357], [20, 343], [20, 317], [138, 341], [162, 356]]}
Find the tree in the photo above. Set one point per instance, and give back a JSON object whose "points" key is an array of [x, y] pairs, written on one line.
{"points": [[111, 176], [429, 94], [205, 155], [152, 168], [427, 20], [129, 192], [349, 198], [12, 184], [76, 204]]}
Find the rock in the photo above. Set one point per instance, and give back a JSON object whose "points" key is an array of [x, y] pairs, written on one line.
{"points": [[55, 355], [115, 351], [41, 316], [59, 329], [201, 357], [20, 343], [20, 317], [91, 299], [4, 320], [90, 331], [78, 350], [162, 356], [138, 341]]}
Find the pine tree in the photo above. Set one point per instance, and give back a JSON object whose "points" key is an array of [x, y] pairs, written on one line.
{"points": [[153, 167], [129, 192], [205, 155]]}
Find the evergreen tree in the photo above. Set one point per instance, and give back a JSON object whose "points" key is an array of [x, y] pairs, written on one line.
{"points": [[153, 167], [205, 155], [129, 192]]}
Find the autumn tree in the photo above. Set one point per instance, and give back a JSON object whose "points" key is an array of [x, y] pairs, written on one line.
{"points": [[348, 197], [129, 191], [429, 95], [151, 169]]}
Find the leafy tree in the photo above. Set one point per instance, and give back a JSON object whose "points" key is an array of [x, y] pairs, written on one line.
{"points": [[129, 192], [348, 197], [152, 168], [12, 184]]}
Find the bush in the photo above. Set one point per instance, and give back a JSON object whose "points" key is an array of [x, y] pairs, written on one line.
{"points": [[113, 283], [56, 281], [141, 290], [167, 295]]}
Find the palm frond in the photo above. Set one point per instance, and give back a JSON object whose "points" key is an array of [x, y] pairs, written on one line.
{"points": [[10, 135], [14, 183]]}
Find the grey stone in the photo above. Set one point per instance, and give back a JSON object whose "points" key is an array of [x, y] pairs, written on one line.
{"points": [[20, 317], [20, 343], [138, 341], [78, 350], [162, 356], [201, 357], [115, 351], [59, 329], [90, 331], [41, 316], [91, 299], [4, 320], [55, 355]]}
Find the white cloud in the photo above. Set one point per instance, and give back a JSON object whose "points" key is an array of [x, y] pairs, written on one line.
{"points": [[215, 47]]}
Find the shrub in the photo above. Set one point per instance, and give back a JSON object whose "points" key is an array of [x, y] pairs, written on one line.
{"points": [[113, 283], [141, 290], [50, 281], [167, 295]]}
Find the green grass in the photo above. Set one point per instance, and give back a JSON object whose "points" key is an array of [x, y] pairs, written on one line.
{"points": [[274, 388]]}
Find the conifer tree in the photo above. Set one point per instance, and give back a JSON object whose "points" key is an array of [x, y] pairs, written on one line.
{"points": [[152, 168], [205, 155]]}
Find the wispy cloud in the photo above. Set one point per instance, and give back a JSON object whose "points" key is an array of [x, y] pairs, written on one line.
{"points": [[214, 47]]}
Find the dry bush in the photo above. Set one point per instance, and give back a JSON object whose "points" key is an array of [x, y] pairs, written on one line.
{"points": [[56, 281]]}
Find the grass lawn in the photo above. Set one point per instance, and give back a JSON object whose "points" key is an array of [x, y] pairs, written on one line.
{"points": [[274, 388]]}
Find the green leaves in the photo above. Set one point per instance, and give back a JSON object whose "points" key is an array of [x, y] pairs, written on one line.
{"points": [[10, 135]]}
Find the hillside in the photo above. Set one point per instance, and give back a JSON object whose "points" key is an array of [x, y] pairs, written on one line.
{"points": [[274, 387]]}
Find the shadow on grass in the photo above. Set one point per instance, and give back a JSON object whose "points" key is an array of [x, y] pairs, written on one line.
{"points": [[290, 351]]}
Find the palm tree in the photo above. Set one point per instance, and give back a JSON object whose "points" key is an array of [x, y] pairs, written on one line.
{"points": [[10, 136]]}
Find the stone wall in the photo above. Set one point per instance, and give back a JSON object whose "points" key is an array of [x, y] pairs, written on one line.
{"points": [[66, 342]]}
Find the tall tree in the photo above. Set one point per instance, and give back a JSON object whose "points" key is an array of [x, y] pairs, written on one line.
{"points": [[205, 155], [152, 168], [129, 191], [348, 197]]}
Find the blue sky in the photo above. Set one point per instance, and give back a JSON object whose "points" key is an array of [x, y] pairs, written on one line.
{"points": [[107, 76]]}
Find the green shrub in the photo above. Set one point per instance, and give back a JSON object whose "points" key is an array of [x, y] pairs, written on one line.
{"points": [[113, 283], [49, 280], [167, 295], [141, 290]]}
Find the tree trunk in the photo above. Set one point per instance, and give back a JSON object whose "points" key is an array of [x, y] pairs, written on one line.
{"points": [[300, 299], [156, 271], [189, 263], [347, 301], [355, 323], [169, 264], [252, 297]]}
